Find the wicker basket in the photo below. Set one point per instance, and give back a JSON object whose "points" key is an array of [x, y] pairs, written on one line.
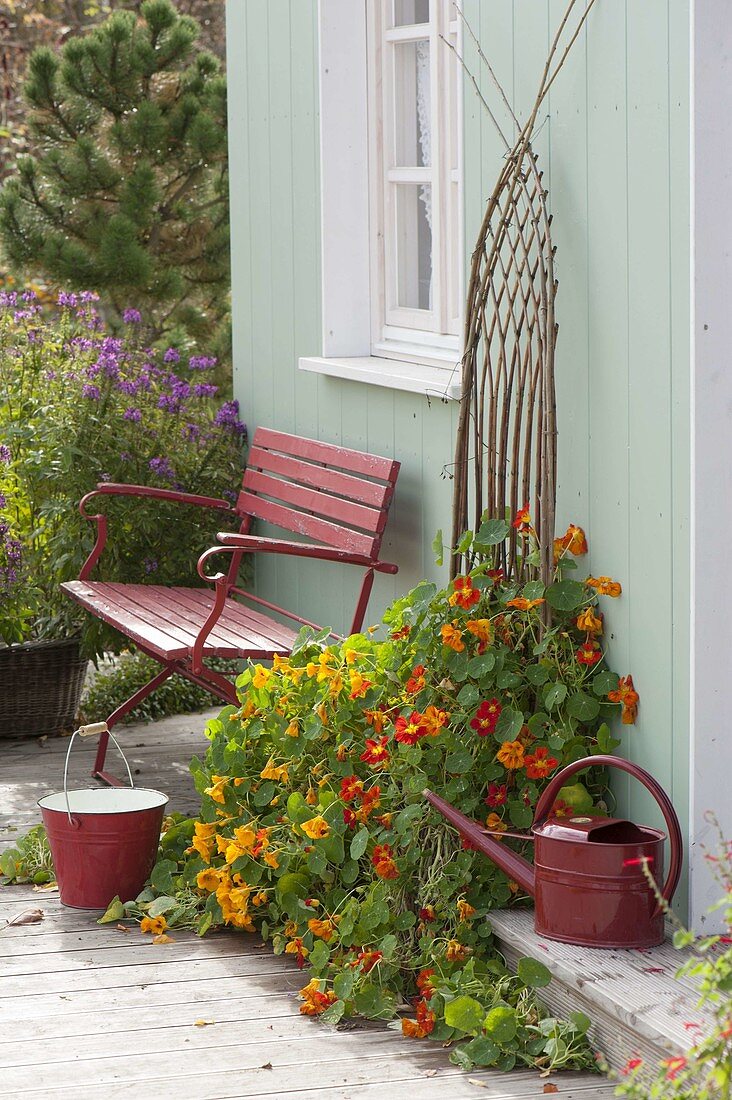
{"points": [[40, 687]]}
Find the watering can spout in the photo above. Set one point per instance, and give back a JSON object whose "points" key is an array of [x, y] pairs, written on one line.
{"points": [[514, 866]]}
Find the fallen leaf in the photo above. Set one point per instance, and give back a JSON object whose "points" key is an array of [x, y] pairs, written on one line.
{"points": [[163, 937], [123, 928], [475, 1081], [203, 1023], [550, 1088], [267, 1065], [429, 1073], [653, 970], [30, 916], [43, 888]]}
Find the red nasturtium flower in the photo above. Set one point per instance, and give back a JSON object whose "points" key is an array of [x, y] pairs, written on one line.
{"points": [[416, 681], [424, 985], [589, 653], [410, 730], [561, 809], [316, 1001], [628, 696], [463, 594], [540, 764], [630, 1065], [367, 960], [497, 795], [402, 632], [351, 788], [426, 913], [350, 818], [674, 1067], [376, 753], [522, 521], [486, 717], [382, 859]]}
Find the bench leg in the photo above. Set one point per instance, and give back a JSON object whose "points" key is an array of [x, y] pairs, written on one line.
{"points": [[123, 709]]}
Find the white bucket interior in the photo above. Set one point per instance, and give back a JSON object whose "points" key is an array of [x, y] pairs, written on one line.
{"points": [[105, 800]]}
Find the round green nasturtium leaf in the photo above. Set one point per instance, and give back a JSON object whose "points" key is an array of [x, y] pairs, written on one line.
{"points": [[500, 1024], [533, 973], [293, 883], [464, 1013], [482, 1051], [583, 707], [566, 595], [554, 695]]}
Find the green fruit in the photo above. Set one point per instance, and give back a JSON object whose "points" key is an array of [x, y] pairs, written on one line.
{"points": [[577, 796]]}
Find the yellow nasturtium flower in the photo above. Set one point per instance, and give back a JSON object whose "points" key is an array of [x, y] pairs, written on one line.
{"points": [[316, 828], [261, 676], [279, 773]]}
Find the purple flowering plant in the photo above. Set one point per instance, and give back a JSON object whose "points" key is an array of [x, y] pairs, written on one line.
{"points": [[78, 406]]}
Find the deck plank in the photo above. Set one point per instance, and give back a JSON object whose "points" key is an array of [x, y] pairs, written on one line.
{"points": [[89, 1010]]}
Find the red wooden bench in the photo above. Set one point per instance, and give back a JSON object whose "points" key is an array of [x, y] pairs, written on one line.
{"points": [[337, 497]]}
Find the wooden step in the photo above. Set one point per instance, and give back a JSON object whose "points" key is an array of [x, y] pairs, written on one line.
{"points": [[637, 1006]]}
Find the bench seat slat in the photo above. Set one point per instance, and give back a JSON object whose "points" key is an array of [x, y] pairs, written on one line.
{"points": [[321, 530]]}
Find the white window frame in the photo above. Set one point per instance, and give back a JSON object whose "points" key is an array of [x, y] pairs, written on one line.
{"points": [[417, 361]]}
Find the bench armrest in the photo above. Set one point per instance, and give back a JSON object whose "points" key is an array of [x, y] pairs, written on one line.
{"points": [[111, 488], [252, 544]]}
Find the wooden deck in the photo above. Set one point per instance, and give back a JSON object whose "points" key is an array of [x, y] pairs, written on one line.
{"points": [[94, 1012]]}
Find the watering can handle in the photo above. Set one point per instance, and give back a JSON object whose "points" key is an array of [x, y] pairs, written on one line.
{"points": [[90, 731], [545, 803]]}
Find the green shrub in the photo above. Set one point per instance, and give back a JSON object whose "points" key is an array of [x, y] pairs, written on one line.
{"points": [[111, 686]]}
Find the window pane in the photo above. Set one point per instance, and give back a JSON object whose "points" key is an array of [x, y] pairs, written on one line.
{"points": [[407, 12], [412, 108], [414, 245]]}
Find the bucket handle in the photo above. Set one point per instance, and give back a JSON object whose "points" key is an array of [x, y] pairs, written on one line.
{"points": [[90, 731], [545, 803]]}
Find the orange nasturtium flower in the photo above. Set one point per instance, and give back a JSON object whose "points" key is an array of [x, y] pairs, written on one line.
{"points": [[495, 824], [316, 1000], [540, 764], [351, 788], [410, 730], [424, 985], [316, 828], [480, 629], [574, 540], [277, 773], [589, 622], [605, 586], [522, 522], [422, 1026], [511, 755], [367, 960], [416, 681], [456, 951], [323, 929], [376, 753], [463, 594], [465, 910], [208, 879], [434, 720], [203, 840], [382, 859], [359, 685], [452, 636], [156, 925], [629, 697], [522, 604]]}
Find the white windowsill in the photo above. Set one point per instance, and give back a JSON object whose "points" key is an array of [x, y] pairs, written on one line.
{"points": [[442, 383]]}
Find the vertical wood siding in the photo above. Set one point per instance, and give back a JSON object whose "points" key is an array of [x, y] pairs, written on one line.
{"points": [[614, 144]]}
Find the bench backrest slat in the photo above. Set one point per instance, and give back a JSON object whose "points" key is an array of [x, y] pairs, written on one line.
{"points": [[334, 495]]}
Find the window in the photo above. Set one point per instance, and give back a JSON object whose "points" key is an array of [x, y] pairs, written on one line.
{"points": [[391, 216], [414, 175]]}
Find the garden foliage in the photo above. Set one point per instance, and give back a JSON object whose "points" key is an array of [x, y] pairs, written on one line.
{"points": [[705, 1072], [127, 190], [313, 826], [79, 406]]}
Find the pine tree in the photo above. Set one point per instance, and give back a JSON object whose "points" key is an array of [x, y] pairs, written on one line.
{"points": [[127, 192]]}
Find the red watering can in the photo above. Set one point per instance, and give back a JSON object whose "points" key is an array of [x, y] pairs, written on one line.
{"points": [[587, 877]]}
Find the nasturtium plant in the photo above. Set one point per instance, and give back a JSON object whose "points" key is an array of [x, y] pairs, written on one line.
{"points": [[314, 830]]}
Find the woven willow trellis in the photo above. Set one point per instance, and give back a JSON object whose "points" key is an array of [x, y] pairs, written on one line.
{"points": [[507, 432]]}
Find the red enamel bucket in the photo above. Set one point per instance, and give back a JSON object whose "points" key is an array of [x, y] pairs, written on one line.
{"points": [[104, 840]]}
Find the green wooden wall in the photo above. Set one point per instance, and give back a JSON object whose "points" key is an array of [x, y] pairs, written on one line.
{"points": [[614, 143]]}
